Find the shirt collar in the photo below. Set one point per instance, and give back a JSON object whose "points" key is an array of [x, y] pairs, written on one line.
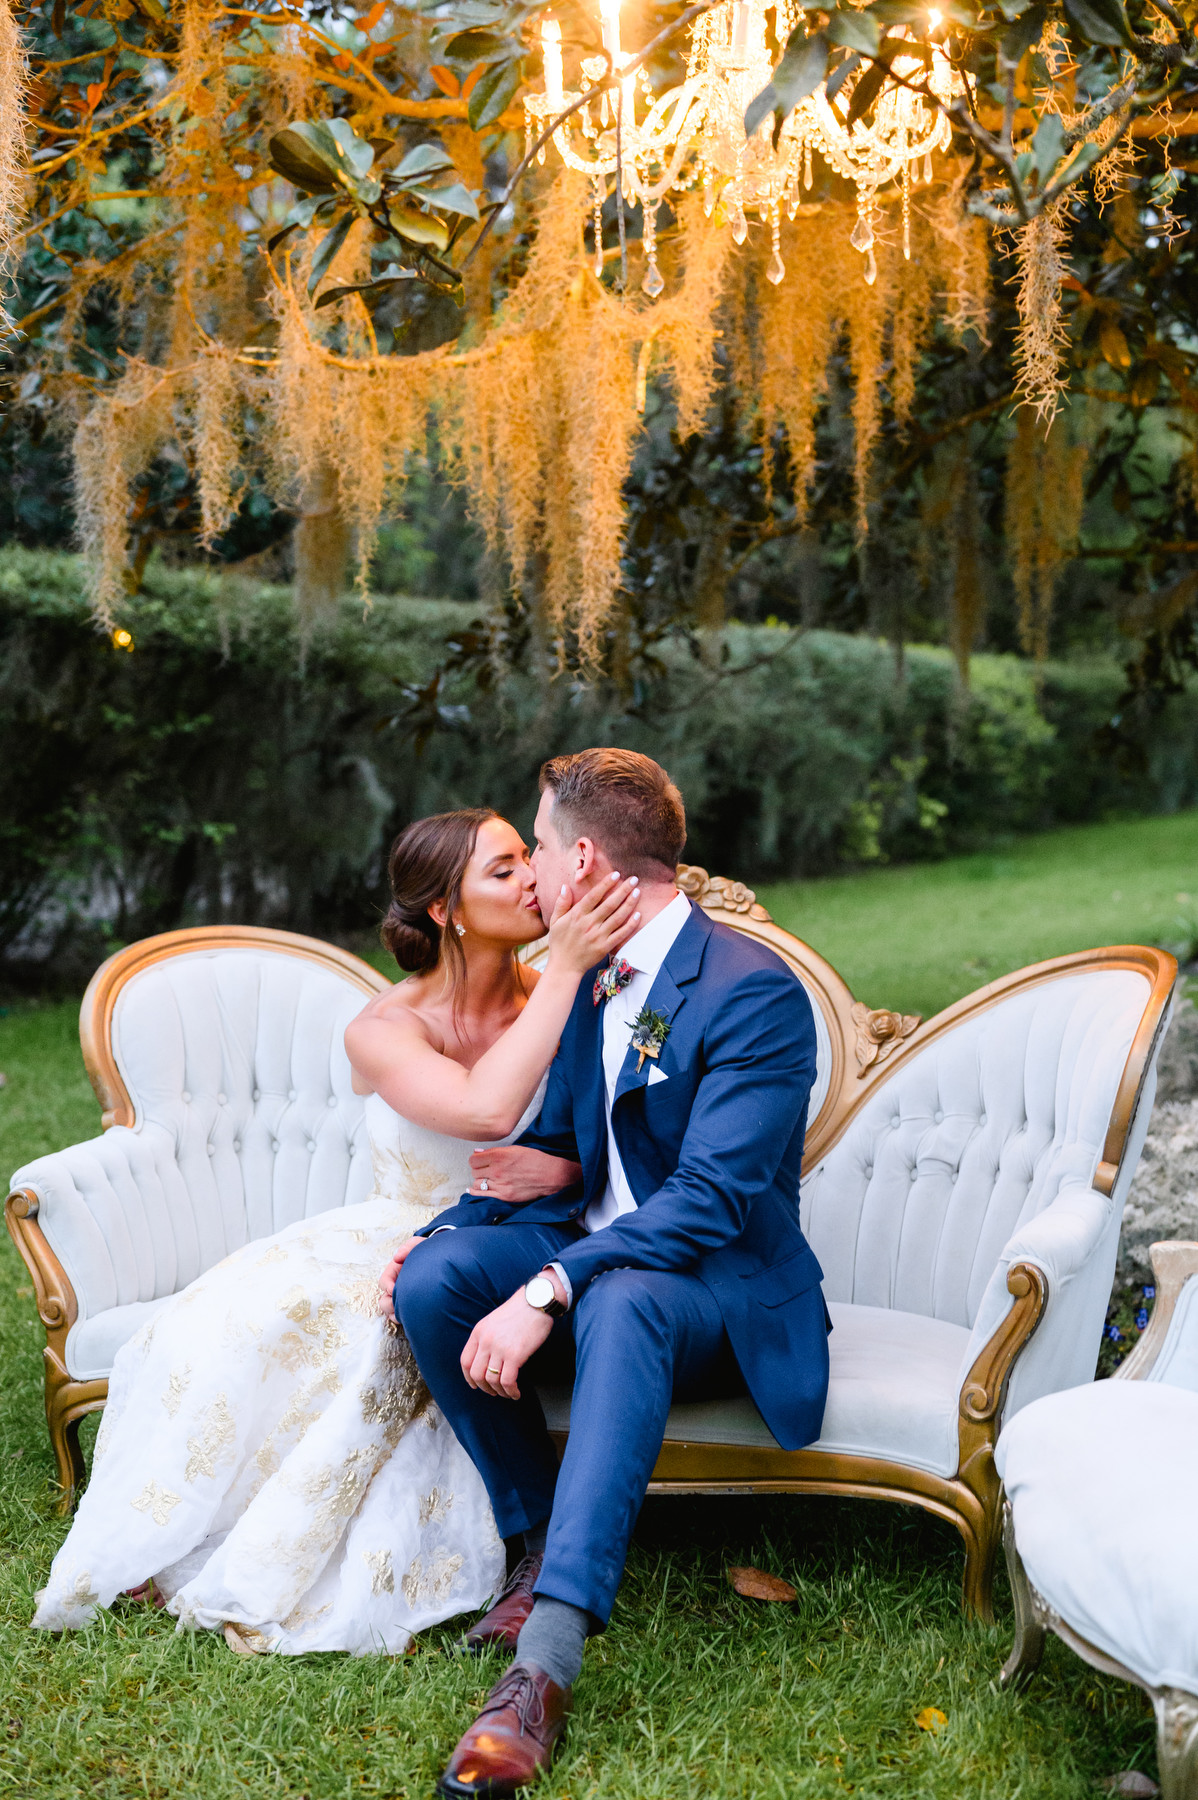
{"points": [[649, 947]]}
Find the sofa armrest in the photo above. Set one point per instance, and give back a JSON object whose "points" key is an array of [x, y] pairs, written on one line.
{"points": [[1073, 1243], [108, 1210], [1174, 1266]]}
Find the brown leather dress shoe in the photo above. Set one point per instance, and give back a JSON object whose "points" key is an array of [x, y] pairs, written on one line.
{"points": [[500, 1627], [514, 1738]]}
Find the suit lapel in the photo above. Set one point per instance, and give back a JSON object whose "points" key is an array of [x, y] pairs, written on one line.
{"points": [[683, 962]]}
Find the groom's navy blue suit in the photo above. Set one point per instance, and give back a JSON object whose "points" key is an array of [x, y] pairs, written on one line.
{"points": [[708, 1280]]}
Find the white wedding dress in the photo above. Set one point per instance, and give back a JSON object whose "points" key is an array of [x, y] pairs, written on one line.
{"points": [[268, 1452]]}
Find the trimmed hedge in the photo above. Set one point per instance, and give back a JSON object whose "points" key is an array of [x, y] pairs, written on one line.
{"points": [[231, 766]]}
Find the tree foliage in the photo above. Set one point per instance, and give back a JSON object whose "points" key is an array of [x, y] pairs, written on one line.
{"points": [[277, 255]]}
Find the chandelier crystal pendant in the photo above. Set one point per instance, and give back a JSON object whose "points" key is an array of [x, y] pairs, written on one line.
{"points": [[695, 132]]}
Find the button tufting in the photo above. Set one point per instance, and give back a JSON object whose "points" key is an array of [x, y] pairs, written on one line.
{"points": [[938, 1117], [274, 1143], [981, 1118], [332, 1099], [237, 1145], [311, 1145], [257, 1094], [291, 1093], [185, 1097], [212, 1149], [221, 1101]]}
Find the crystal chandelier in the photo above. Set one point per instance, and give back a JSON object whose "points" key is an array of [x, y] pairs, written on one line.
{"points": [[695, 131]]}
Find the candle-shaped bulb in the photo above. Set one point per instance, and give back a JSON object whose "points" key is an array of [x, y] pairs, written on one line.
{"points": [[610, 13], [740, 27], [551, 54]]}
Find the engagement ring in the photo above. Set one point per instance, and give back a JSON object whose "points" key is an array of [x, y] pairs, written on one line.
{"points": [[485, 1185]]}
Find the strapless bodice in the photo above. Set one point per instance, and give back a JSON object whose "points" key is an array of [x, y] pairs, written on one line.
{"points": [[422, 1169]]}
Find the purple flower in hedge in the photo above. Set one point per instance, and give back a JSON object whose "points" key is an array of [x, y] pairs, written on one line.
{"points": [[1114, 1333], [1149, 1293], [1141, 1318]]}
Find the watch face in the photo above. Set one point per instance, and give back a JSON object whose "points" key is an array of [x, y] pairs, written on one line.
{"points": [[539, 1292]]}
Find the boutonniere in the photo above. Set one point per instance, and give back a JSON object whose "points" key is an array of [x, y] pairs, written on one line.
{"points": [[649, 1032]]}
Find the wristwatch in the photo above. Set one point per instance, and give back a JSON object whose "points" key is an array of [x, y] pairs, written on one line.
{"points": [[540, 1295]]}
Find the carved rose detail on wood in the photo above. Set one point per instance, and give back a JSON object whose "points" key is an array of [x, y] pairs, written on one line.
{"points": [[717, 893], [878, 1031]]}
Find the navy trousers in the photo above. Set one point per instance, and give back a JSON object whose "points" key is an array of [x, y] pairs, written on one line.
{"points": [[637, 1338]]}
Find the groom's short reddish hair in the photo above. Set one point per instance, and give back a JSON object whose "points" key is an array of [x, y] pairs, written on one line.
{"points": [[624, 801]]}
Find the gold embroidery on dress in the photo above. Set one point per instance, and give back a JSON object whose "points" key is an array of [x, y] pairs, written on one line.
{"points": [[434, 1507], [160, 1503], [434, 1583], [219, 1433], [382, 1575], [363, 1297], [276, 1254], [305, 1615], [103, 1436], [177, 1384], [83, 1593], [296, 1304]]}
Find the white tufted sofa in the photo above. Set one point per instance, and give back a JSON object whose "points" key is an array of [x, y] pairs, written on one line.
{"points": [[965, 1181], [229, 1114]]}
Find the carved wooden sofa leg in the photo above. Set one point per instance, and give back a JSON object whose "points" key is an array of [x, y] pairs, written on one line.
{"points": [[67, 1405], [1030, 1633]]}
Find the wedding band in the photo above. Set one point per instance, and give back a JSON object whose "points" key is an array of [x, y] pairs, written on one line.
{"points": [[493, 1369], [484, 1186]]}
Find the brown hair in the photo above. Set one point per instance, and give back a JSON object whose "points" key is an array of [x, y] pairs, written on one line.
{"points": [[427, 862], [624, 801]]}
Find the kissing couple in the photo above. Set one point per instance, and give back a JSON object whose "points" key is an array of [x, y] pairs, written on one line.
{"points": [[280, 1462]]}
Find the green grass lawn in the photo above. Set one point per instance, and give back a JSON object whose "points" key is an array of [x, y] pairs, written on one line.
{"points": [[693, 1691]]}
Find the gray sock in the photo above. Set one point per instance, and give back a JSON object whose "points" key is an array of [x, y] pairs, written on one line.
{"points": [[534, 1539], [553, 1637]]}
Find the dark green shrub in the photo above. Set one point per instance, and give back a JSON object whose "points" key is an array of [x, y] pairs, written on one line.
{"points": [[227, 768]]}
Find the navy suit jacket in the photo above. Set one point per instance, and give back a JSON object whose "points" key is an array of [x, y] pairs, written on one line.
{"points": [[712, 1154]]}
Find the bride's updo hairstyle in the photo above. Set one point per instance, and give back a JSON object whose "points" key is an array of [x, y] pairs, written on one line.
{"points": [[428, 860]]}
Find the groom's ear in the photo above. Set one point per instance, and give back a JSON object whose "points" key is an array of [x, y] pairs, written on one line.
{"points": [[584, 860]]}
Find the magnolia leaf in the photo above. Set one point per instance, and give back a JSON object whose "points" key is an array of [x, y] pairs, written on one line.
{"points": [[470, 47], [1113, 344], [755, 1584], [1013, 9], [900, 12], [855, 30], [1048, 146], [1025, 32], [931, 1719], [425, 159], [1100, 22], [355, 150], [327, 249], [804, 65], [839, 76], [867, 90], [370, 292], [453, 198], [1085, 156], [300, 217], [301, 162], [417, 227], [492, 92]]}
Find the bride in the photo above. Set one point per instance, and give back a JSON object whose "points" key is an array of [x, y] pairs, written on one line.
{"points": [[269, 1462]]}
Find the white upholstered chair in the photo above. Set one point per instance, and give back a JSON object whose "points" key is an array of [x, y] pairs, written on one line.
{"points": [[217, 1056], [1099, 1521]]}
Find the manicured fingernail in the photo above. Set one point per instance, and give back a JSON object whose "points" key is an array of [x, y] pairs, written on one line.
{"points": [[635, 917], [615, 875]]}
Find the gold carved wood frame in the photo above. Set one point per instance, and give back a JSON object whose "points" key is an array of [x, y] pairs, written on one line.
{"points": [[68, 1400]]}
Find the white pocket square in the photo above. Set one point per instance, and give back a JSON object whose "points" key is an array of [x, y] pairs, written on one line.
{"points": [[655, 1074]]}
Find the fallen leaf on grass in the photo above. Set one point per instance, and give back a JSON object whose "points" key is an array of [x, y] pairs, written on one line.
{"points": [[1130, 1781], [931, 1719], [755, 1584]]}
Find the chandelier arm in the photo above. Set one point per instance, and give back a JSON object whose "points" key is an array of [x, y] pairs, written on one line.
{"points": [[609, 81]]}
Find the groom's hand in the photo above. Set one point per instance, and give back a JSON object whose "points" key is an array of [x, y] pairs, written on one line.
{"points": [[500, 1345]]}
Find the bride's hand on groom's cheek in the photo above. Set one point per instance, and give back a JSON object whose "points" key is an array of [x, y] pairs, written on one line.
{"points": [[500, 1345], [511, 1172]]}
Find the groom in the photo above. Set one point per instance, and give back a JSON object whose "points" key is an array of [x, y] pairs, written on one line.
{"points": [[678, 1270]]}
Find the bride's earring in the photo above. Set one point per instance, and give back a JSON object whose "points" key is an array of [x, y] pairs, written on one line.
{"points": [[461, 930]]}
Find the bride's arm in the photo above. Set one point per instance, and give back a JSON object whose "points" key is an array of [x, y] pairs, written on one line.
{"points": [[395, 1057]]}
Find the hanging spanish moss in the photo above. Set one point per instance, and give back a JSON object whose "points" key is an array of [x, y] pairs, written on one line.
{"points": [[14, 82], [1044, 499]]}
